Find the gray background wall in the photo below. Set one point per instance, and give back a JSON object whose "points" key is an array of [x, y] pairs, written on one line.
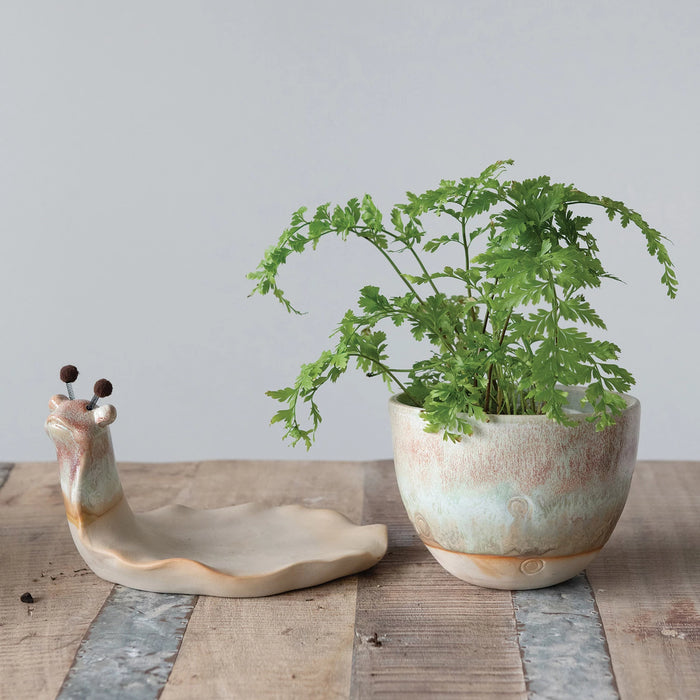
{"points": [[151, 151]]}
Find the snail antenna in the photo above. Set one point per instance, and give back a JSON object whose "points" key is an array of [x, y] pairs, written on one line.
{"points": [[69, 373], [102, 388]]}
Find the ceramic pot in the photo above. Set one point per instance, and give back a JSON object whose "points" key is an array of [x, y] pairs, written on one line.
{"points": [[522, 503]]}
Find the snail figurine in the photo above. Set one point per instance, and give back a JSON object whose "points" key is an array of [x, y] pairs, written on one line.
{"points": [[246, 550]]}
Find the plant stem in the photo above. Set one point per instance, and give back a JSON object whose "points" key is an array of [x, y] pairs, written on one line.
{"points": [[487, 397], [418, 297], [555, 309], [489, 379], [421, 301], [393, 265], [486, 320], [463, 221], [416, 256], [389, 373], [465, 245], [505, 325]]}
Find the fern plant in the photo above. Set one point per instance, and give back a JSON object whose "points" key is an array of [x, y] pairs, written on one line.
{"points": [[511, 338]]}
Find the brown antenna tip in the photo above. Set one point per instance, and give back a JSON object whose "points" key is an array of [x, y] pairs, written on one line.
{"points": [[69, 373], [102, 388]]}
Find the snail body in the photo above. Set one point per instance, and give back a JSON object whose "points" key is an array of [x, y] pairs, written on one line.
{"points": [[245, 550]]}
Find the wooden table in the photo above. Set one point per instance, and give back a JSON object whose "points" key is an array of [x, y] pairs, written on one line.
{"points": [[629, 628]]}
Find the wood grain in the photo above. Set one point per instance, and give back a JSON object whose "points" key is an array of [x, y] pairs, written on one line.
{"points": [[420, 632], [647, 584], [296, 645], [37, 555], [39, 642], [404, 628]]}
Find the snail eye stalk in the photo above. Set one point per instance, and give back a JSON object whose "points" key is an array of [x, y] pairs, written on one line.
{"points": [[102, 389], [69, 373]]}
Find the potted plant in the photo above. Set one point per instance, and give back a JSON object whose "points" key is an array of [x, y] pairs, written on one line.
{"points": [[514, 438]]}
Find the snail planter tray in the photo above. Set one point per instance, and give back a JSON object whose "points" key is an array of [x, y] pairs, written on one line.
{"points": [[246, 550]]}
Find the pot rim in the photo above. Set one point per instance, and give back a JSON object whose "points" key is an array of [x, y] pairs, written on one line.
{"points": [[575, 394]]}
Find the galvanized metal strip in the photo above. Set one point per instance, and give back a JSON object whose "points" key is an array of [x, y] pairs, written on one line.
{"points": [[562, 642], [5, 469], [130, 647]]}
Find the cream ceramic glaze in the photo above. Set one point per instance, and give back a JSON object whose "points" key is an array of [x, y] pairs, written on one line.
{"points": [[241, 551], [523, 502]]}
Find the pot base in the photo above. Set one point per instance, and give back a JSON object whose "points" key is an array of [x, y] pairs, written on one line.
{"points": [[511, 573]]}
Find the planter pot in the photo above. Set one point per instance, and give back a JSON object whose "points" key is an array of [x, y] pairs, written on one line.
{"points": [[523, 502]]}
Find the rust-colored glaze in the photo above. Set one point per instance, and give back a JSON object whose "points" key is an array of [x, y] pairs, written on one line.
{"points": [[89, 483], [489, 561], [520, 486], [511, 573]]}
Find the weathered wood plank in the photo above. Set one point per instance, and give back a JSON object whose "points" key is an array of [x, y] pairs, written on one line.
{"points": [[563, 644], [647, 584], [130, 648], [38, 641], [38, 555], [421, 632], [435, 636], [296, 645]]}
